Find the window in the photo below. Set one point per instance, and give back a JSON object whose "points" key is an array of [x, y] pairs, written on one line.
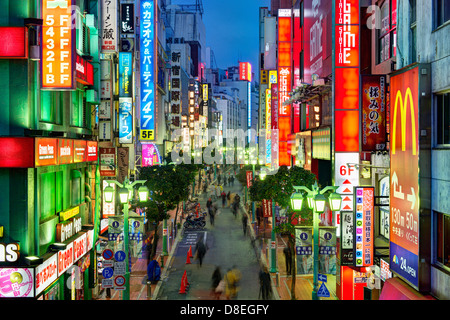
{"points": [[47, 195], [442, 239], [387, 35], [413, 27], [443, 119], [441, 12]]}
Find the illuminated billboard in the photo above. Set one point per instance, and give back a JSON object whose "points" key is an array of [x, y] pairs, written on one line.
{"points": [[404, 175], [58, 39], [147, 69], [284, 83], [363, 243], [245, 71]]}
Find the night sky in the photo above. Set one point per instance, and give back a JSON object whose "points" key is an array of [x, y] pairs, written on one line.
{"points": [[232, 30]]}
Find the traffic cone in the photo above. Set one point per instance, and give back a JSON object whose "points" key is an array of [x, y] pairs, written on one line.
{"points": [[188, 258], [190, 252], [183, 284], [186, 282]]}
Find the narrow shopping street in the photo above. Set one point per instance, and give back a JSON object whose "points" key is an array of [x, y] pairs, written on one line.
{"points": [[227, 247]]}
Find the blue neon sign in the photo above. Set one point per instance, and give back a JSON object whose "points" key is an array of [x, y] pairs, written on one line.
{"points": [[147, 98], [125, 69]]}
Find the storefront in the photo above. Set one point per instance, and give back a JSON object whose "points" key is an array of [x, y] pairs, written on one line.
{"points": [[60, 216]]}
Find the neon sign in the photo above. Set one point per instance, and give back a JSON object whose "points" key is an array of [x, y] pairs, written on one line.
{"points": [[57, 45], [147, 98], [284, 83]]}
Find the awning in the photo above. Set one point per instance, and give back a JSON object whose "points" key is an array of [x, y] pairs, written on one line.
{"points": [[397, 289]]}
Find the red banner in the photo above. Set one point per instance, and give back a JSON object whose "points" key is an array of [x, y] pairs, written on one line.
{"points": [[267, 208], [249, 178]]}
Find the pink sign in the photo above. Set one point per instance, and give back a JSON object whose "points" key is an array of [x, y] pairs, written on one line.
{"points": [[150, 155]]}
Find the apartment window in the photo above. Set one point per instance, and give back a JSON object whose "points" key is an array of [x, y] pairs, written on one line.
{"points": [[442, 239], [441, 12], [387, 34], [443, 119]]}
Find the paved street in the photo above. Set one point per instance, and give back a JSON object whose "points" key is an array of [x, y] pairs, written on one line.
{"points": [[227, 246]]}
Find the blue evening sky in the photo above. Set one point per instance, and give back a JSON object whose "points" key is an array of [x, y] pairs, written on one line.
{"points": [[232, 30]]}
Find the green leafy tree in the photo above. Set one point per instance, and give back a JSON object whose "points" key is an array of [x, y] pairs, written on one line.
{"points": [[168, 185], [279, 188]]}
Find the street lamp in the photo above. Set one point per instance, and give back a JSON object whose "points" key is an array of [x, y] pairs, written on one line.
{"points": [[125, 194], [316, 202]]}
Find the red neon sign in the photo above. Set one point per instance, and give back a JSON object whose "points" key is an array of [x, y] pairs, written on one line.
{"points": [[284, 84], [347, 75], [14, 42], [245, 71]]}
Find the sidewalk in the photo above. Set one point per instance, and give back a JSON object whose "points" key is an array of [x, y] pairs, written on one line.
{"points": [[281, 281], [139, 290]]}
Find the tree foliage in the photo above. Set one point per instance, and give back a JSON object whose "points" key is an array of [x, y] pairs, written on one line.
{"points": [[168, 186]]}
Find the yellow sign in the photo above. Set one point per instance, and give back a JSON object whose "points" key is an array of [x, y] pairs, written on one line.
{"points": [[273, 76], [147, 135], [64, 215], [205, 92], [264, 75], [403, 110]]}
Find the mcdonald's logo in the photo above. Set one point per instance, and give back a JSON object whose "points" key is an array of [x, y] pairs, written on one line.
{"points": [[403, 112]]}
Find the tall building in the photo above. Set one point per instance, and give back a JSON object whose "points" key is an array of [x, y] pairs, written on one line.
{"points": [[50, 183], [422, 68]]}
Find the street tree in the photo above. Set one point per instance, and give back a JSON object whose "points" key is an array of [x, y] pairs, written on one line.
{"points": [[169, 186], [279, 188]]}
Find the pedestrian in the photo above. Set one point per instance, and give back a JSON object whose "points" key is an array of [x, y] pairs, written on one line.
{"points": [[288, 257], [232, 180], [236, 205], [244, 223], [259, 214], [217, 283], [228, 198], [200, 250], [265, 287], [224, 198], [232, 278], [219, 178], [212, 213], [229, 180]]}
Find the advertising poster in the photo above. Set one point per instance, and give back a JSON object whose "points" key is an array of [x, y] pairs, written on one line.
{"points": [[346, 238], [373, 112], [122, 163], [327, 250], [107, 162], [125, 120], [16, 283], [127, 18], [364, 226], [125, 74], [404, 190], [150, 155], [304, 249]]}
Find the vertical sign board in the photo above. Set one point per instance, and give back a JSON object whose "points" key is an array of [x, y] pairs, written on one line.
{"points": [[346, 75], [176, 92], [345, 21], [373, 107], [404, 190], [125, 74], [127, 18], [284, 83], [125, 120], [109, 26], [147, 94], [363, 226], [150, 155], [249, 176], [58, 41], [245, 71]]}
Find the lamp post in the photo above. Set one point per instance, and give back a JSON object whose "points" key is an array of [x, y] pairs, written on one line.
{"points": [[126, 189], [316, 202]]}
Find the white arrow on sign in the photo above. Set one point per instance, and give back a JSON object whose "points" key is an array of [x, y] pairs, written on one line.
{"points": [[412, 198], [397, 194]]}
